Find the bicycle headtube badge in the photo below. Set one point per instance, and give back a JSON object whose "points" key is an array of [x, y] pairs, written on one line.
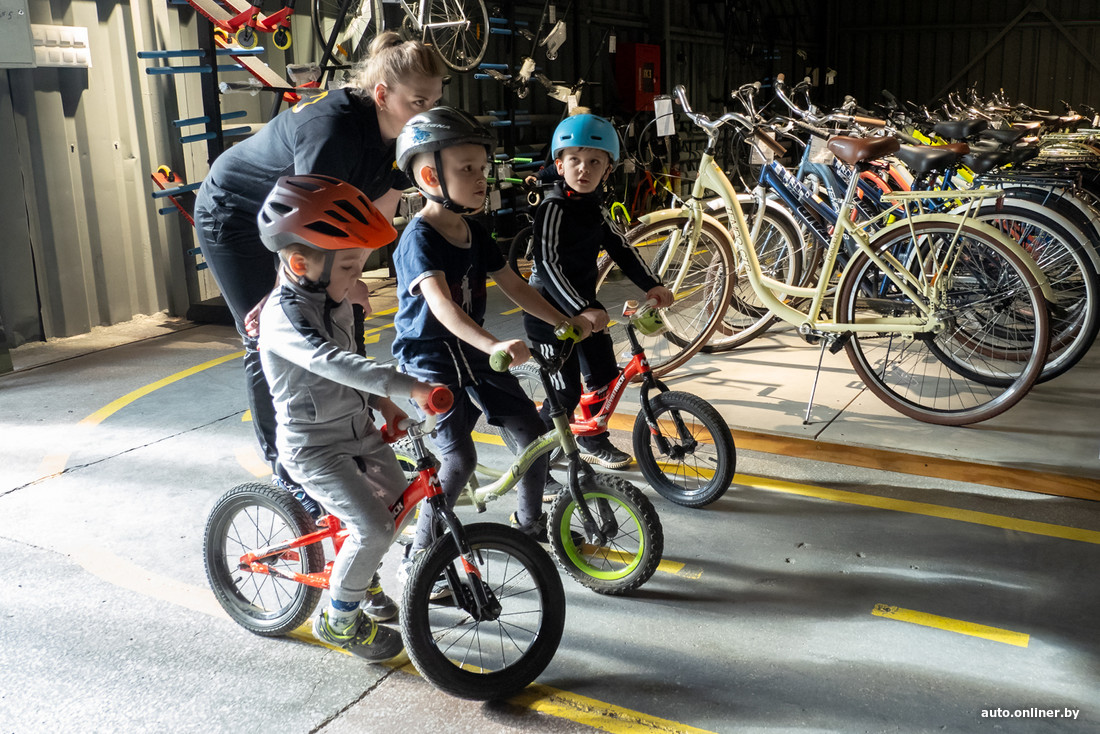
{"points": [[321, 212], [586, 131]]}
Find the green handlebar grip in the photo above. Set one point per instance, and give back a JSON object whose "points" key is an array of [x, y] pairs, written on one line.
{"points": [[568, 331], [500, 361]]}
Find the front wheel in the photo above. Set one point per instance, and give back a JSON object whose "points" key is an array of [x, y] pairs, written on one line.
{"points": [[701, 460], [498, 655], [995, 328], [635, 539], [246, 518]]}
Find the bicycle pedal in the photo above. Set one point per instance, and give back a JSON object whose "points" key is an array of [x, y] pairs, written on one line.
{"points": [[839, 342]]}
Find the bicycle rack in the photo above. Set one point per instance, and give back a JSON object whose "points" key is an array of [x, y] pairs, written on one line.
{"points": [[218, 20]]}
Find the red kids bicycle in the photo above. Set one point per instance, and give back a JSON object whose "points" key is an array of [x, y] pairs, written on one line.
{"points": [[684, 448], [497, 631]]}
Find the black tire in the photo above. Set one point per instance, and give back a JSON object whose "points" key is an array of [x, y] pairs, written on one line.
{"points": [[490, 659], [996, 334], [705, 469], [357, 26], [1054, 243], [519, 252], [252, 516], [635, 541], [702, 296]]}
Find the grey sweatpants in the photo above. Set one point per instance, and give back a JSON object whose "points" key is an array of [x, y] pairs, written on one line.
{"points": [[356, 481]]}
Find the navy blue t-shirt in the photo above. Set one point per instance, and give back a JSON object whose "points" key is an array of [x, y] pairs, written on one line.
{"points": [[422, 342], [334, 133]]}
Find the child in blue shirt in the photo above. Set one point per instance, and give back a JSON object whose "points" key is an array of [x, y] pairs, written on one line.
{"points": [[442, 263]]}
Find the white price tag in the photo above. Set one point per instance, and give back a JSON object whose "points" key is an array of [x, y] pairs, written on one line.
{"points": [[662, 108]]}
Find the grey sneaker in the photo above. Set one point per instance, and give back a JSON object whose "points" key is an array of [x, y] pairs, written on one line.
{"points": [[378, 606], [553, 489], [599, 450], [536, 529], [440, 592], [364, 638]]}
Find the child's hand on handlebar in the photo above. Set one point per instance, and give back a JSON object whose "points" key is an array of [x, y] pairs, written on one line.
{"points": [[597, 318], [422, 395], [582, 325], [662, 295], [515, 348]]}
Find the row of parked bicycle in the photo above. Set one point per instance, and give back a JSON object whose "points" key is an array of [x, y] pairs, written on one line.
{"points": [[955, 261]]}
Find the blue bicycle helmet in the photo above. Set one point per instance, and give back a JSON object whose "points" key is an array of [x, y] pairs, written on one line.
{"points": [[586, 131]]}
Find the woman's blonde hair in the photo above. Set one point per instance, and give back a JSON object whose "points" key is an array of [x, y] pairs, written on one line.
{"points": [[391, 61]]}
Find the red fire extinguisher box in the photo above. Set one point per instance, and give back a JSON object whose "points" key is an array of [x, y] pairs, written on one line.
{"points": [[638, 74]]}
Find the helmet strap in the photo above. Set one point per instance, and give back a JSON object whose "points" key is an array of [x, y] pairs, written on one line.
{"points": [[313, 286], [445, 199]]}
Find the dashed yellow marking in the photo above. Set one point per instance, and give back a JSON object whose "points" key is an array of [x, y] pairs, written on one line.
{"points": [[958, 626], [923, 508]]}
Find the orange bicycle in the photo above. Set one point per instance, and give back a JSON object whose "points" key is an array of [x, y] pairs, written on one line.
{"points": [[497, 631]]}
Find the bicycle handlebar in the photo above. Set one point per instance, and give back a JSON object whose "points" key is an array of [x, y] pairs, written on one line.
{"points": [[440, 400], [500, 360]]}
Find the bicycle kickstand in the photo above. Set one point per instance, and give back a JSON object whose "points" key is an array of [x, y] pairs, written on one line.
{"points": [[834, 343]]}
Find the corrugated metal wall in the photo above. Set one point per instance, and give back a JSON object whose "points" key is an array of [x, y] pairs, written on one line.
{"points": [[1038, 52], [84, 245]]}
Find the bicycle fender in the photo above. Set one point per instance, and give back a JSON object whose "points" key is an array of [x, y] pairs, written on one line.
{"points": [[663, 215]]}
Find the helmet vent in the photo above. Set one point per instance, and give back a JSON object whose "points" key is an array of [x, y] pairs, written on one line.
{"points": [[326, 229]]}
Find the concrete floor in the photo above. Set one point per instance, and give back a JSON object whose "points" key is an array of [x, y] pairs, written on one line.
{"points": [[815, 596]]}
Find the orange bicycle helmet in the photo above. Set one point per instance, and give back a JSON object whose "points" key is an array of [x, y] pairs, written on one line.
{"points": [[322, 212]]}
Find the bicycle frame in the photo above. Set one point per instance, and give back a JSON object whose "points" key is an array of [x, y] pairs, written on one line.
{"points": [[425, 487]]}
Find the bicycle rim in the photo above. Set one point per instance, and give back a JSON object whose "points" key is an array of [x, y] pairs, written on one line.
{"points": [[460, 31], [1075, 320], [635, 539], [701, 297], [491, 658], [975, 368], [249, 517]]}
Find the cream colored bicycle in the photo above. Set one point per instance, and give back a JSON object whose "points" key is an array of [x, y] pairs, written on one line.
{"points": [[942, 317]]}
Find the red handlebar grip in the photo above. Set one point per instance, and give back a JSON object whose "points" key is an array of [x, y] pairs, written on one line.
{"points": [[391, 434], [440, 400]]}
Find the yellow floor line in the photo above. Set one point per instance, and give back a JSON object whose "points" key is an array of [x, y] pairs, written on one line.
{"points": [[972, 629], [923, 508], [252, 463], [125, 574]]}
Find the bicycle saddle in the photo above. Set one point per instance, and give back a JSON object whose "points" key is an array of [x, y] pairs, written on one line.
{"points": [[923, 159], [1005, 137], [856, 150], [986, 161], [959, 129]]}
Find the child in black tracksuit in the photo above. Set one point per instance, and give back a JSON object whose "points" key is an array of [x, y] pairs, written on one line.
{"points": [[571, 228]]}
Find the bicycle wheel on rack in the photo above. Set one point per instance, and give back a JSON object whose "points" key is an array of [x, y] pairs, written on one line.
{"points": [[635, 539], [459, 31], [701, 461], [996, 334], [698, 276], [778, 246], [496, 656], [246, 518], [519, 252], [1053, 242], [353, 30]]}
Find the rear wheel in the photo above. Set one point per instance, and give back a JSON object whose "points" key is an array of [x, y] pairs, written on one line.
{"points": [[497, 655], [635, 539], [247, 518], [995, 336]]}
